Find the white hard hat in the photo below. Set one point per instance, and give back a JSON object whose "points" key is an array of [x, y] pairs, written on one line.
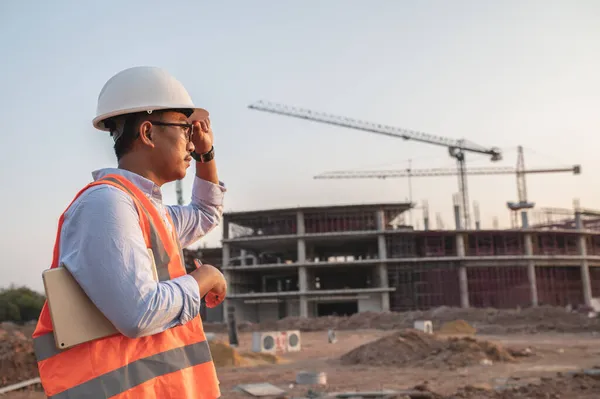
{"points": [[141, 89]]}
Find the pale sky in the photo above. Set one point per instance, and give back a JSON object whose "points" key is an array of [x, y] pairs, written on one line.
{"points": [[500, 73]]}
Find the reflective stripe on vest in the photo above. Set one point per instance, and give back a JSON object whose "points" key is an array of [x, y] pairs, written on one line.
{"points": [[169, 364], [139, 371]]}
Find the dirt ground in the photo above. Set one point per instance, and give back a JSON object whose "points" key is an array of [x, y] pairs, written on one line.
{"points": [[551, 354], [543, 359]]}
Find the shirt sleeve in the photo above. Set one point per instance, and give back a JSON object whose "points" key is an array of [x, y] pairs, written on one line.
{"points": [[103, 247], [202, 215]]}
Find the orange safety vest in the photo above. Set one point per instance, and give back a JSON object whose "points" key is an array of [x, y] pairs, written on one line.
{"points": [[176, 363]]}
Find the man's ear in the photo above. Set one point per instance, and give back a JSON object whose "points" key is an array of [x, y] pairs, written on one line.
{"points": [[145, 131]]}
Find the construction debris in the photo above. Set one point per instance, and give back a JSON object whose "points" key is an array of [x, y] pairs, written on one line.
{"points": [[387, 394], [416, 348], [383, 394], [311, 378], [261, 389], [20, 385]]}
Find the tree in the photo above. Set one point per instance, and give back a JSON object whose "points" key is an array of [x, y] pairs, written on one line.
{"points": [[20, 304]]}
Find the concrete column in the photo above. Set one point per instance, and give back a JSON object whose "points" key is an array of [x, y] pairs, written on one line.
{"points": [[225, 227], [457, 220], [300, 223], [463, 281], [380, 219], [524, 219], [383, 281], [463, 284], [382, 272], [225, 254], [381, 247], [460, 245], [302, 277], [531, 270], [585, 272], [585, 269], [303, 282], [301, 250]]}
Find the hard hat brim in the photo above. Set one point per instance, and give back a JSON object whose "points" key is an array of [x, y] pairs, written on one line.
{"points": [[197, 114]]}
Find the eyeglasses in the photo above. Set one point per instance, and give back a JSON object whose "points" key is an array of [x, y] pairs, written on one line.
{"points": [[188, 128]]}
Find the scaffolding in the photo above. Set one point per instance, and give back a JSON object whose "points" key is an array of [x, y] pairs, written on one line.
{"points": [[566, 219]]}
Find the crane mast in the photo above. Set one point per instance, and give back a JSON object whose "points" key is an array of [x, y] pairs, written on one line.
{"points": [[179, 192], [456, 148]]}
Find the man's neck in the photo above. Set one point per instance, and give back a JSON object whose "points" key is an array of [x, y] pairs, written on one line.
{"points": [[138, 168]]}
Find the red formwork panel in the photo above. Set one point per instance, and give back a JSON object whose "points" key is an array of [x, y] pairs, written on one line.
{"points": [[480, 244], [550, 243], [338, 221], [495, 244], [509, 243], [593, 245], [595, 281], [498, 287], [423, 287], [559, 285]]}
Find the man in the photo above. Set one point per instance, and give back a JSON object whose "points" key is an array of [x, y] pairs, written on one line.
{"points": [[123, 247]]}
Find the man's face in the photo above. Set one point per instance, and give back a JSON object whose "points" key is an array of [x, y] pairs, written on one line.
{"points": [[172, 147]]}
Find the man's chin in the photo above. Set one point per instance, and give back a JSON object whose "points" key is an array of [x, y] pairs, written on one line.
{"points": [[178, 175]]}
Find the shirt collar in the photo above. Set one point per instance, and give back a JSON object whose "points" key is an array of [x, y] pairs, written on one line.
{"points": [[147, 186]]}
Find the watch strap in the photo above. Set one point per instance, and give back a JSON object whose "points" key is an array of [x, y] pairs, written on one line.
{"points": [[206, 157]]}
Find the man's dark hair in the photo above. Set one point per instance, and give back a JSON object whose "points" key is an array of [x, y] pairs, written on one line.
{"points": [[124, 143]]}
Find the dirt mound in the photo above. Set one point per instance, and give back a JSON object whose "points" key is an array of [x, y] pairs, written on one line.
{"points": [[225, 356], [414, 348], [17, 359], [457, 327]]}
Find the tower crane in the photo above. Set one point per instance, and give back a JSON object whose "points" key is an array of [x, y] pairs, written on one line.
{"points": [[520, 172], [456, 148], [179, 192]]}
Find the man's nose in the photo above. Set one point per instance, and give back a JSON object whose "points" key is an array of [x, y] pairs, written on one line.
{"points": [[190, 146]]}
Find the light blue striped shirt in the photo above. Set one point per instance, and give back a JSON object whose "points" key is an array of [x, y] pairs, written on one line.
{"points": [[103, 247]]}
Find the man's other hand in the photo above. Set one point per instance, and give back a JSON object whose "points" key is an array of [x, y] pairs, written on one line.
{"points": [[211, 283]]}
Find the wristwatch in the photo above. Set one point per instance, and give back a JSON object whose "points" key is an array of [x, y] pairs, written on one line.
{"points": [[206, 157]]}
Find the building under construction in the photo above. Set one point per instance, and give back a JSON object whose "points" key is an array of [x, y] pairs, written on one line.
{"points": [[314, 261], [317, 261]]}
